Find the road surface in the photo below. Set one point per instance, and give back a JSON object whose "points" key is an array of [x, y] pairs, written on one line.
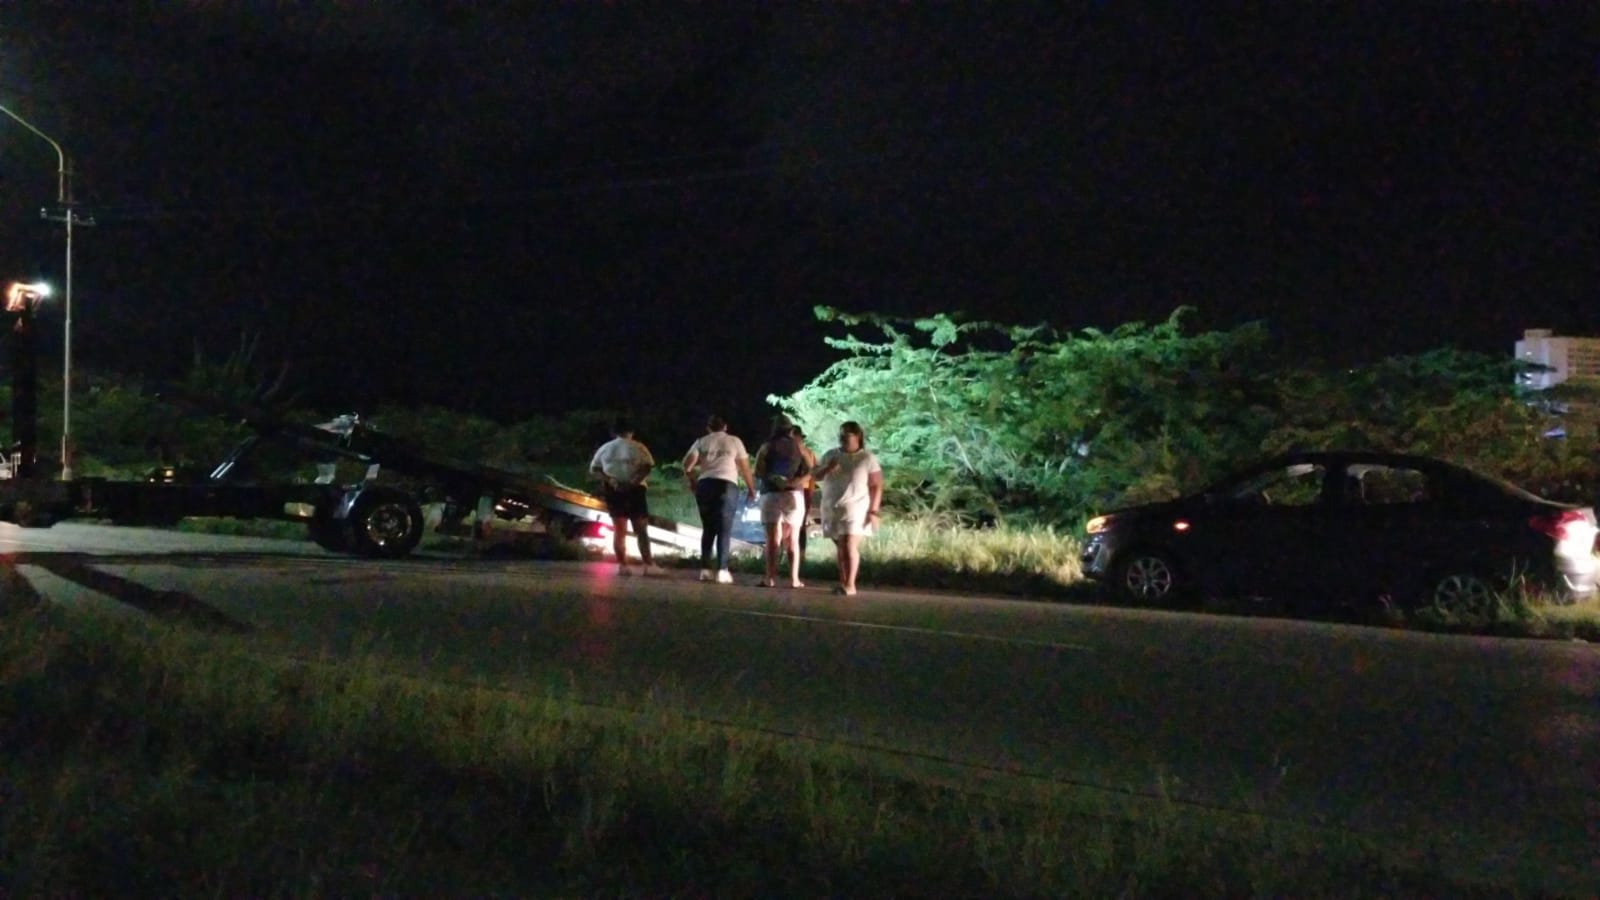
{"points": [[1483, 751]]}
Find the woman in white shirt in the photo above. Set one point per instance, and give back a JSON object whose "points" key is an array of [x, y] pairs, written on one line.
{"points": [[713, 467], [852, 492]]}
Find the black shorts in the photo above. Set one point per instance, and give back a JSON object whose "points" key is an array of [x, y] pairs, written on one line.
{"points": [[626, 502]]}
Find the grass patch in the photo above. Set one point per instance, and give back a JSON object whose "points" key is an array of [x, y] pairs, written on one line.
{"points": [[280, 529], [1521, 610], [923, 553], [143, 761]]}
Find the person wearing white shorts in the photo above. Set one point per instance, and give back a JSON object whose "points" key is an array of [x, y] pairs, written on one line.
{"points": [[781, 467], [852, 492], [783, 508]]}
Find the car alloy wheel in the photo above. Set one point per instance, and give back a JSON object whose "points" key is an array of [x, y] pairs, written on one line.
{"points": [[1463, 593], [1148, 577]]}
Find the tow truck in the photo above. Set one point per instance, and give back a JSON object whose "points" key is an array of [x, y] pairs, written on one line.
{"points": [[362, 518]]}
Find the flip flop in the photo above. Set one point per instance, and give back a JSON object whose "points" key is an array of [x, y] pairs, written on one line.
{"points": [[766, 582]]}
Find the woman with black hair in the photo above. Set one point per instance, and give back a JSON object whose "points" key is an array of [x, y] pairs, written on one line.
{"points": [[852, 493]]}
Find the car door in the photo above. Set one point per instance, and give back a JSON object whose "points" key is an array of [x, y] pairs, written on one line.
{"points": [[1257, 532], [1388, 527]]}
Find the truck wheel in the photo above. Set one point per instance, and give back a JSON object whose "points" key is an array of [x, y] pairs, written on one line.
{"points": [[26, 514], [383, 523]]}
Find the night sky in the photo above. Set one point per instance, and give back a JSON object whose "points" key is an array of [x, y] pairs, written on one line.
{"points": [[604, 205]]}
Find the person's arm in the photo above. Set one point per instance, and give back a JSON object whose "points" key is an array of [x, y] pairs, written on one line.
{"points": [[597, 471], [748, 476], [830, 461], [804, 479], [875, 492], [690, 460], [761, 461]]}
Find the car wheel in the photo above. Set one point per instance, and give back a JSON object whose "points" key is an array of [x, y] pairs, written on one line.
{"points": [[1462, 593], [1148, 577], [383, 523]]}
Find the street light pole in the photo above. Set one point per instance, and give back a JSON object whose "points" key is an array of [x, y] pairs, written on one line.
{"points": [[66, 215]]}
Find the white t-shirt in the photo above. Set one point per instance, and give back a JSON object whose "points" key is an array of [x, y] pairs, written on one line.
{"points": [[847, 484], [718, 454], [623, 459]]}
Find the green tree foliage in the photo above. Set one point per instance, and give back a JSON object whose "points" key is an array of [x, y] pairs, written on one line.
{"points": [[1445, 403], [123, 428], [968, 416], [979, 416]]}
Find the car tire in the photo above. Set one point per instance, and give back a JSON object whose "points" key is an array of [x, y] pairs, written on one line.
{"points": [[1147, 577], [383, 523]]}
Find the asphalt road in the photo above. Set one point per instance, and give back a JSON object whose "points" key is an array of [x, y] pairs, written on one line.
{"points": [[1484, 752]]}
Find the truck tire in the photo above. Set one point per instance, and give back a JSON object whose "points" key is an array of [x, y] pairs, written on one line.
{"points": [[27, 514], [383, 523]]}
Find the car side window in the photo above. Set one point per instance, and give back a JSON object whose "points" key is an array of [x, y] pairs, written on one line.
{"points": [[1375, 485], [1290, 486]]}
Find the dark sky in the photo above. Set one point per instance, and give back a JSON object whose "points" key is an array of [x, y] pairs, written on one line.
{"points": [[607, 204]]}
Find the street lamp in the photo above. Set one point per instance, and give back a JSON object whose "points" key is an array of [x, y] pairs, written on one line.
{"points": [[64, 201], [21, 295], [21, 300]]}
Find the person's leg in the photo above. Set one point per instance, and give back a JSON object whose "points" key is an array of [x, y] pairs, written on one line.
{"points": [[639, 514], [792, 541], [770, 519], [842, 556], [641, 536], [619, 538], [730, 509], [708, 498], [769, 554], [852, 552]]}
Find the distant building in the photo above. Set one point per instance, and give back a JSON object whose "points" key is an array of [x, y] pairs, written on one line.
{"points": [[1562, 358]]}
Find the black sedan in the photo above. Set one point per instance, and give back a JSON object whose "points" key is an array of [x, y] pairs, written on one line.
{"points": [[1347, 527]]}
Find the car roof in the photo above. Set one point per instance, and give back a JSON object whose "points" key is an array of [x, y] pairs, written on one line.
{"points": [[1332, 458]]}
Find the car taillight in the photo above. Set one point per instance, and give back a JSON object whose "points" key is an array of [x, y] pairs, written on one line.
{"points": [[1097, 524], [1563, 525]]}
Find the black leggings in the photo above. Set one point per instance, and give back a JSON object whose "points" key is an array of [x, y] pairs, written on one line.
{"points": [[719, 502]]}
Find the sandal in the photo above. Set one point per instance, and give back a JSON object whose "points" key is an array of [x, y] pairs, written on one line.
{"points": [[797, 584], [838, 590], [766, 582]]}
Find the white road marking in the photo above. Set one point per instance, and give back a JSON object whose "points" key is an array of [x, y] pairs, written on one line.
{"points": [[912, 629]]}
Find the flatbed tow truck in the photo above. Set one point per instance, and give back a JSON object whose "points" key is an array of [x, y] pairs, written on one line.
{"points": [[364, 518]]}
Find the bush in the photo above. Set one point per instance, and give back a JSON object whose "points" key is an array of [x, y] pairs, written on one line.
{"points": [[977, 417]]}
